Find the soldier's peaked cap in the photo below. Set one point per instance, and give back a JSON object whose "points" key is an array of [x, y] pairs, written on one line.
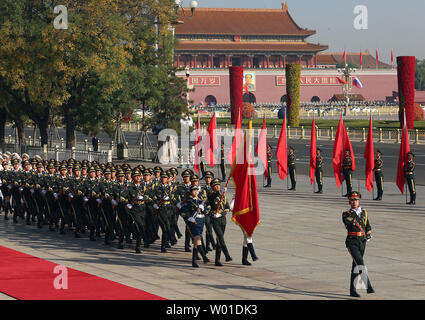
{"points": [[355, 195], [215, 182]]}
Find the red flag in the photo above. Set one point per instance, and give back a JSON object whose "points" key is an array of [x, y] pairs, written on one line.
{"points": [[246, 212], [198, 135], [261, 148], [245, 87], [236, 140], [361, 58], [392, 57], [313, 151], [369, 155], [340, 80], [344, 56], [211, 142], [282, 152], [338, 154], [402, 157], [377, 58], [347, 146]]}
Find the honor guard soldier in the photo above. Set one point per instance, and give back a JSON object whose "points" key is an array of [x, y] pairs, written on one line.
{"points": [[291, 168], [409, 169], [193, 214], [208, 226], [219, 209], [151, 219], [379, 175], [38, 182], [121, 200], [182, 193], [5, 181], [347, 171], [319, 170], [106, 209], [222, 164], [269, 166], [359, 231]]}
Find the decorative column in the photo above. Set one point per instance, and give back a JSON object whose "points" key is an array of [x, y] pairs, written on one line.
{"points": [[315, 61], [284, 61], [212, 61], [299, 59], [268, 62], [236, 90], [195, 61], [178, 60], [252, 62]]}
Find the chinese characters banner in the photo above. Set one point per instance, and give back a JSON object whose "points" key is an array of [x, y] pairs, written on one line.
{"points": [[204, 81], [311, 81]]}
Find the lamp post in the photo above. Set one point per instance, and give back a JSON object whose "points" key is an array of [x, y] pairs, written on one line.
{"points": [[347, 74]]}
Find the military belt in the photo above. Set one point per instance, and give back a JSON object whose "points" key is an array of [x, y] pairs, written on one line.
{"points": [[409, 172], [377, 169], [166, 203], [200, 216], [358, 234], [139, 202]]}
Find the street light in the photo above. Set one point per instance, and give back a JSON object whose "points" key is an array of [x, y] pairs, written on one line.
{"points": [[347, 74]]}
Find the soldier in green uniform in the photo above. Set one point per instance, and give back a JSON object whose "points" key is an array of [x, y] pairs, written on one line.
{"points": [[222, 164], [92, 189], [121, 198], [182, 193], [218, 219], [50, 187], [37, 183], [193, 214], [379, 175], [347, 171], [151, 219], [357, 223], [5, 182], [16, 190], [269, 166], [409, 170], [319, 170], [106, 209], [163, 205], [26, 185], [292, 168], [137, 209], [78, 206], [62, 199], [209, 236]]}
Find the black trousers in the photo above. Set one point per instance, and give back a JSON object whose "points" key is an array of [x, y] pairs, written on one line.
{"points": [[410, 179], [356, 248], [348, 180], [293, 176], [379, 178], [269, 173], [223, 170], [319, 178]]}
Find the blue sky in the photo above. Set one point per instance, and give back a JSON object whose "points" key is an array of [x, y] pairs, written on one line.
{"points": [[391, 24]]}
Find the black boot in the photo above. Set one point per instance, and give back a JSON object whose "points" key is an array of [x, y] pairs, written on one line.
{"points": [[217, 257], [245, 261], [194, 254], [92, 237], [121, 243], [369, 287], [353, 291], [204, 256], [138, 242], [252, 252], [226, 253]]}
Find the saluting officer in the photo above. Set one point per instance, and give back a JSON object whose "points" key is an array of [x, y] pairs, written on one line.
{"points": [[292, 168], [409, 169], [379, 175], [319, 170], [347, 171], [357, 223]]}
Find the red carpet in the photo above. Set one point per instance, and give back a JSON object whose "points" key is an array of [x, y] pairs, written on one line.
{"points": [[25, 277]]}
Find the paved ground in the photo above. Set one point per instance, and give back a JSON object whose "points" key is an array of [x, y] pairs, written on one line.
{"points": [[300, 243]]}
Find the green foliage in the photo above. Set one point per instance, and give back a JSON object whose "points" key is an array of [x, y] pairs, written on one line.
{"points": [[293, 85], [350, 65]]}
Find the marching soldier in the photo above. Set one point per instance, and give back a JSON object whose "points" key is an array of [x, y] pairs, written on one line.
{"points": [[269, 166], [193, 214], [182, 193], [106, 209], [357, 223], [92, 189], [16, 190], [62, 199], [121, 198], [379, 175], [409, 169], [5, 182], [38, 182], [219, 208], [26, 185], [50, 188], [347, 171], [149, 189], [291, 168], [319, 171], [208, 226]]}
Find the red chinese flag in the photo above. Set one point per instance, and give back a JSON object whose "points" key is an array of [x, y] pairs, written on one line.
{"points": [[338, 155], [392, 57], [402, 157], [198, 135], [361, 58], [246, 212], [347, 146], [282, 153], [313, 151], [344, 56], [236, 140], [369, 155], [211, 142], [340, 80], [245, 87], [261, 148], [377, 57]]}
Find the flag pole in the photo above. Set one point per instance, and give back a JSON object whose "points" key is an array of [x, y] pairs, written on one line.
{"points": [[342, 146], [286, 124]]}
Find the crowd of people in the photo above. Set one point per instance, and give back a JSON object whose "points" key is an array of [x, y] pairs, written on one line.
{"points": [[118, 202]]}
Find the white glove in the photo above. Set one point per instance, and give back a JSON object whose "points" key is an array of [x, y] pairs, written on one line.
{"points": [[217, 215], [86, 199], [232, 204], [191, 219], [166, 198], [225, 189], [9, 186], [156, 206], [99, 201], [179, 205], [21, 189], [201, 206], [129, 206], [70, 195], [369, 238], [140, 198], [55, 195], [43, 192], [32, 190], [114, 203]]}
